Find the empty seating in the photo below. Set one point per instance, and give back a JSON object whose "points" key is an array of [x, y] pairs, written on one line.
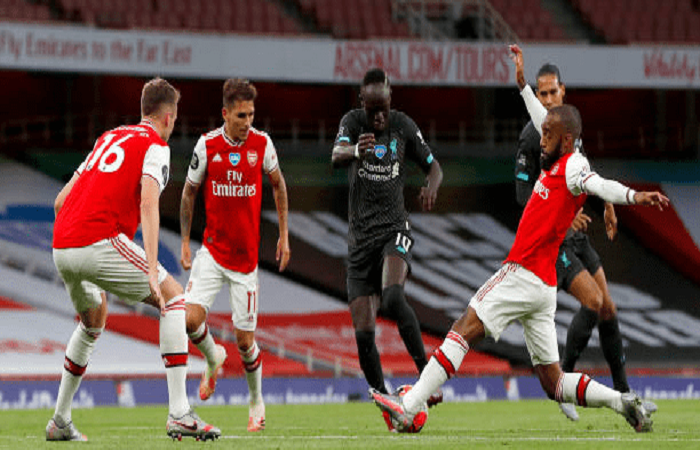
{"points": [[219, 16], [359, 19], [627, 21]]}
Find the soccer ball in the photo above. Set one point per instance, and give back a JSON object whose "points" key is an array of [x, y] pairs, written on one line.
{"points": [[418, 420]]}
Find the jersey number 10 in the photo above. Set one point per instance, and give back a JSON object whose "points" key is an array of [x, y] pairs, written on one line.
{"points": [[403, 243]]}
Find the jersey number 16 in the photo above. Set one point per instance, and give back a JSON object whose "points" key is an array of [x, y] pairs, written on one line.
{"points": [[110, 160]]}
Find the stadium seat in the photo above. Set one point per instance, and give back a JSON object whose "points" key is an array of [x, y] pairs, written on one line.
{"points": [[650, 20]]}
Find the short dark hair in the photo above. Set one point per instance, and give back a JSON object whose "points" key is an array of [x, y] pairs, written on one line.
{"points": [[155, 94], [549, 69], [570, 117], [238, 89], [374, 76]]}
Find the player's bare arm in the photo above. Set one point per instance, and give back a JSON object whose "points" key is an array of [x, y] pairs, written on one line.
{"points": [[344, 152], [651, 199], [610, 219], [61, 197], [517, 56], [614, 192], [150, 223], [279, 190], [428, 193], [189, 196], [581, 221]]}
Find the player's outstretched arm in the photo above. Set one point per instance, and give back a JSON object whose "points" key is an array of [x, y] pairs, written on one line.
{"points": [[614, 192], [428, 193], [279, 190], [189, 197], [61, 197], [150, 223], [345, 152], [651, 199]]}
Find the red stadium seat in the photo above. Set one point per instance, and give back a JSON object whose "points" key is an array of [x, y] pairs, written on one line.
{"points": [[654, 20]]}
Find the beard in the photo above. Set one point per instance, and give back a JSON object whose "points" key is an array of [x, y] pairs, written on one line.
{"points": [[548, 160]]}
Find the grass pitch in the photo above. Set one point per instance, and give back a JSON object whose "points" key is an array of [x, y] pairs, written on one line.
{"points": [[491, 425]]}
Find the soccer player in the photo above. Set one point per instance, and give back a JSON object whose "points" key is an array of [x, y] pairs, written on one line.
{"points": [[97, 214], [229, 163], [524, 289], [375, 142], [579, 270]]}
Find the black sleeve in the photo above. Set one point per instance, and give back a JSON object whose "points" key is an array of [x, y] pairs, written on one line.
{"points": [[416, 147], [349, 129], [527, 163]]}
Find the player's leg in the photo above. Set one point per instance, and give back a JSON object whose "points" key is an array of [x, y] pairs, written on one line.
{"points": [[364, 287], [541, 339], [490, 311], [125, 274], [91, 305], [394, 272], [408, 410], [610, 337], [251, 356], [205, 282], [580, 389], [363, 310], [573, 277], [245, 304]]}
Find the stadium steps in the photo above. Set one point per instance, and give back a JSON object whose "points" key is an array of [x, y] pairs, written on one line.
{"points": [[564, 15], [146, 328], [293, 10], [326, 341]]}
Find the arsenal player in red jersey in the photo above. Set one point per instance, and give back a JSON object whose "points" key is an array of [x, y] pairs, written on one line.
{"points": [[228, 164], [525, 287], [97, 214]]}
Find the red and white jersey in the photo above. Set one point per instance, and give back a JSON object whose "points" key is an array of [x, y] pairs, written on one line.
{"points": [[231, 175], [106, 199], [555, 200]]}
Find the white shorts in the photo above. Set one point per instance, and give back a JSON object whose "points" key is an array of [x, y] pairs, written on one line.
{"points": [[206, 281], [515, 293], [116, 265]]}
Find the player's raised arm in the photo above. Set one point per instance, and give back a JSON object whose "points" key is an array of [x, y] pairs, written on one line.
{"points": [[534, 107]]}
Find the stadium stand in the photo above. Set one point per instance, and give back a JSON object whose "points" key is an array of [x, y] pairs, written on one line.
{"points": [[618, 21], [360, 19], [23, 11], [218, 16], [529, 20], [627, 21]]}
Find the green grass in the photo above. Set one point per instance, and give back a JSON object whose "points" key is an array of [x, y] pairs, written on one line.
{"points": [[501, 425]]}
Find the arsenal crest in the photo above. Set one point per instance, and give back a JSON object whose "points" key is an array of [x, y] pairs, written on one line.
{"points": [[235, 158], [252, 158]]}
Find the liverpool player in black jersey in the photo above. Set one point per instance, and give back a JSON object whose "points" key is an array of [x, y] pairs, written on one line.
{"points": [[374, 143], [579, 270]]}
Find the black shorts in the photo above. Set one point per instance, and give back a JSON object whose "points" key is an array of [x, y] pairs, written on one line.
{"points": [[365, 264], [575, 255]]}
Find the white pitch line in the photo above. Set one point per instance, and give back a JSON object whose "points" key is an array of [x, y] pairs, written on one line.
{"points": [[291, 437], [467, 438]]}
